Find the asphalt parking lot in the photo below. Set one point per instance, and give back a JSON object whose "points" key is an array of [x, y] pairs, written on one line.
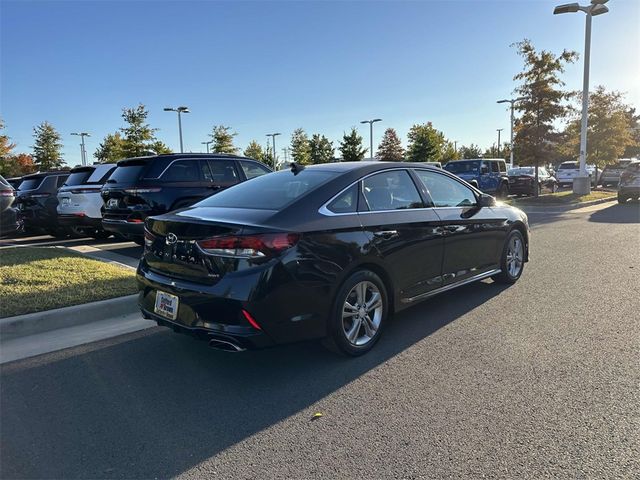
{"points": [[539, 379]]}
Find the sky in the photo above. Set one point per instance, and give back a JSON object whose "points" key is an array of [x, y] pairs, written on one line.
{"points": [[272, 66]]}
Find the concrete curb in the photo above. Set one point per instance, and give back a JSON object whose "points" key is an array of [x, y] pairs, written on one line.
{"points": [[40, 322], [565, 206]]}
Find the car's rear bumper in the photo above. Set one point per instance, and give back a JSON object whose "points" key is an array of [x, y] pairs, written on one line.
{"points": [[79, 221], [285, 310], [521, 188], [629, 190], [9, 222], [124, 228]]}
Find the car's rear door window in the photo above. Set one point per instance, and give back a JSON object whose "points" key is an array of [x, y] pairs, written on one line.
{"points": [[346, 202], [391, 190], [445, 191], [183, 171], [253, 169], [224, 172]]}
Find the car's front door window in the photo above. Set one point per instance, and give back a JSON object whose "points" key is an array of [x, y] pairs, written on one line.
{"points": [[445, 191]]}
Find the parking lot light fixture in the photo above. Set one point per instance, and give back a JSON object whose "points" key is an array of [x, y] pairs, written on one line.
{"points": [[207, 144], [179, 110], [273, 138], [371, 122], [512, 101], [582, 183], [83, 152]]}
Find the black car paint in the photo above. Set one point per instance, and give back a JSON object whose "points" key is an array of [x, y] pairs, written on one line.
{"points": [[37, 207], [127, 219], [524, 183], [291, 296]]}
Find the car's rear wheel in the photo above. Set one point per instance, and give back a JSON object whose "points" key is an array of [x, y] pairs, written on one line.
{"points": [[512, 259], [359, 314], [503, 191], [622, 198]]}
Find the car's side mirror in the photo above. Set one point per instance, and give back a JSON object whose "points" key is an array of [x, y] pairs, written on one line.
{"points": [[486, 200]]}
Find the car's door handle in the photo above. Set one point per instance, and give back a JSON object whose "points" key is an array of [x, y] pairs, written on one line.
{"points": [[386, 233]]}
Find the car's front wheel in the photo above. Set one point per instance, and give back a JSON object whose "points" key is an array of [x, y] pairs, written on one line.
{"points": [[512, 260], [359, 314]]}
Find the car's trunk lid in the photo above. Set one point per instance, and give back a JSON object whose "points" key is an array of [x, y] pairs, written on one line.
{"points": [[171, 241]]}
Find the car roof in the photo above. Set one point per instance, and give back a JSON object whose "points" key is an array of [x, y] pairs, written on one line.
{"points": [[45, 174], [366, 165], [177, 156]]}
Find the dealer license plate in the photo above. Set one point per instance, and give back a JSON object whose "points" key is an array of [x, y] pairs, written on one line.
{"points": [[166, 305]]}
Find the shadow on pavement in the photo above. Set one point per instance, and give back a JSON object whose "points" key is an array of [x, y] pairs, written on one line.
{"points": [[626, 213], [161, 403]]}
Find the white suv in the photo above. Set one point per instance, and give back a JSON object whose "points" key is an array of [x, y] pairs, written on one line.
{"points": [[567, 171], [79, 200]]}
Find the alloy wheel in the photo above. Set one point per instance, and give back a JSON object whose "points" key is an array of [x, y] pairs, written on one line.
{"points": [[362, 313], [515, 256]]}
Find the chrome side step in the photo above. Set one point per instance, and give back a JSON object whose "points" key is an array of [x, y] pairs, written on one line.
{"points": [[466, 281]]}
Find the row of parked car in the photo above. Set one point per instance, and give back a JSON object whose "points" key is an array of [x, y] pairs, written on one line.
{"points": [[105, 199]]}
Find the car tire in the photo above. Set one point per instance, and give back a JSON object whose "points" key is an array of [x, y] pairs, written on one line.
{"points": [[512, 259], [622, 199], [138, 241], [503, 191], [354, 328]]}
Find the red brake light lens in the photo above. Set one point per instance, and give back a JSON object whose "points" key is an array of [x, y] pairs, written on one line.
{"points": [[6, 193], [249, 246], [251, 320], [85, 190]]}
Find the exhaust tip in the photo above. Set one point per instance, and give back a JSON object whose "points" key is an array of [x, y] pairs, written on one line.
{"points": [[225, 345]]}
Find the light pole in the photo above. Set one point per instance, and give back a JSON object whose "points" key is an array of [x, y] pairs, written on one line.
{"points": [[207, 144], [582, 184], [499, 130], [371, 122], [180, 110], [286, 154], [273, 138], [83, 152], [512, 102]]}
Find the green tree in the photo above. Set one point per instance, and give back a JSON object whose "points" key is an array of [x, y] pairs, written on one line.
{"points": [[351, 146], [160, 148], [268, 155], [17, 165], [300, 147], [449, 152], [536, 137], [111, 149], [321, 149], [472, 151], [390, 148], [138, 138], [47, 147], [425, 143], [223, 140], [608, 132], [254, 150]]}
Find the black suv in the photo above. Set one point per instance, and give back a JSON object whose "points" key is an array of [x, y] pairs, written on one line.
{"points": [[144, 186], [37, 201]]}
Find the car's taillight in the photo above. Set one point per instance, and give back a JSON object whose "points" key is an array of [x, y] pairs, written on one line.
{"points": [[135, 220], [251, 320], [6, 193], [40, 195], [249, 246], [136, 191], [149, 238]]}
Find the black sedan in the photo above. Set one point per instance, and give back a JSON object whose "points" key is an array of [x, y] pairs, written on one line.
{"points": [[522, 181], [327, 251]]}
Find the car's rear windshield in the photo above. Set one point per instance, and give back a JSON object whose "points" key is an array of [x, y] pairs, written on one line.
{"points": [[568, 166], [521, 171], [127, 173], [30, 184], [272, 191], [78, 178], [462, 167]]}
